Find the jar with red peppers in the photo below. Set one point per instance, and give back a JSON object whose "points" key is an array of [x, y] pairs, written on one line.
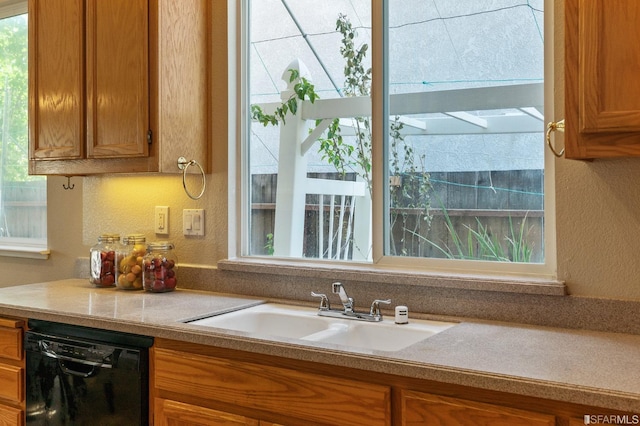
{"points": [[159, 273], [103, 260], [129, 272]]}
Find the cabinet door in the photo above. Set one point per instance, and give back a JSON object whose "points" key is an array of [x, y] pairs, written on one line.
{"points": [[167, 412], [11, 343], [602, 89], [11, 383], [56, 79], [425, 409], [10, 416], [297, 394], [117, 61]]}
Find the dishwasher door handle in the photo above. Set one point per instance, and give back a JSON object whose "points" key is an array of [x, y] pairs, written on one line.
{"points": [[94, 369], [46, 350]]}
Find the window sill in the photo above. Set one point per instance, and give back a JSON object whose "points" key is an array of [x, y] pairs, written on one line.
{"points": [[24, 252], [376, 274]]}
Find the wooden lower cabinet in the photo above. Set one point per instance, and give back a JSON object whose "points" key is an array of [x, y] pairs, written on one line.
{"points": [[420, 409], [196, 385], [12, 378], [258, 391], [173, 413]]}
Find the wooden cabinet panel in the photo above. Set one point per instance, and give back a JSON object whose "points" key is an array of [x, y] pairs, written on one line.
{"points": [[11, 343], [10, 416], [117, 60], [123, 86], [420, 409], [56, 79], [602, 91], [11, 383], [300, 395], [172, 413]]}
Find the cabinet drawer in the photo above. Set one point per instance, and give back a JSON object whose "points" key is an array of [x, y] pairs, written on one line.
{"points": [[425, 409], [11, 383], [11, 343], [301, 395], [10, 416], [172, 413]]}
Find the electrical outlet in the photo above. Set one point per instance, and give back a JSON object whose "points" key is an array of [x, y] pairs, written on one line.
{"points": [[193, 222], [161, 220]]}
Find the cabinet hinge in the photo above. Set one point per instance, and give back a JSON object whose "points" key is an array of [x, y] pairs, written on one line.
{"points": [[149, 137]]}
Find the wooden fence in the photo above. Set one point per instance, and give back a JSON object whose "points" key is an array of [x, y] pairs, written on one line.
{"points": [[25, 210], [497, 201]]}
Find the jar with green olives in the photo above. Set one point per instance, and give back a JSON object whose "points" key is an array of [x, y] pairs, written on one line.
{"points": [[103, 260], [129, 272], [159, 271]]}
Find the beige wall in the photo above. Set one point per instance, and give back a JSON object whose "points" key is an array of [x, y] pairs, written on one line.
{"points": [[64, 211], [598, 217]]}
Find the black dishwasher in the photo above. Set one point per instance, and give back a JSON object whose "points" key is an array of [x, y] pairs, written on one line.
{"points": [[85, 376]]}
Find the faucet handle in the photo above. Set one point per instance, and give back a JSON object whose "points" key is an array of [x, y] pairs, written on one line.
{"points": [[375, 306], [324, 301]]}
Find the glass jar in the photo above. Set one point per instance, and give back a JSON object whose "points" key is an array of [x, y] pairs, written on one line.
{"points": [[103, 260], [160, 267], [129, 271]]}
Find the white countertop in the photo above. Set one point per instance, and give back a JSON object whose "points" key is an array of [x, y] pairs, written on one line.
{"points": [[583, 367]]}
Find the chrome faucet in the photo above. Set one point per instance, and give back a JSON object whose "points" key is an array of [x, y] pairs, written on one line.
{"points": [[347, 301], [348, 312]]}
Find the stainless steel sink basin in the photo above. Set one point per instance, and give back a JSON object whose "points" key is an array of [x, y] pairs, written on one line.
{"points": [[278, 320]]}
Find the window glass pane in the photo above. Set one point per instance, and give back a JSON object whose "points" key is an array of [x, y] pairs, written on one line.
{"points": [[310, 172], [466, 145], [23, 211]]}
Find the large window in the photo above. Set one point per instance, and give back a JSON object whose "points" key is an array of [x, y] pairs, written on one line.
{"points": [[407, 132], [23, 198]]}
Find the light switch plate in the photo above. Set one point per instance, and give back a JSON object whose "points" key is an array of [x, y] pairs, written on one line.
{"points": [[193, 222], [161, 220]]}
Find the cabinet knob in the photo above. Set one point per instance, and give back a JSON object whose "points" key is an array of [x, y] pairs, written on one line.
{"points": [[552, 127]]}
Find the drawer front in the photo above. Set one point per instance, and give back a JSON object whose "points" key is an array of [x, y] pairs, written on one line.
{"points": [[11, 343], [420, 409], [11, 383], [301, 395], [10, 416], [173, 413]]}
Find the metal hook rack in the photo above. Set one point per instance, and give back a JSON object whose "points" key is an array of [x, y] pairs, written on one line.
{"points": [[183, 164]]}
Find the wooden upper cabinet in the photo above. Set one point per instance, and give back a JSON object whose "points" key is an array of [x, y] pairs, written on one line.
{"points": [[117, 64], [602, 88], [56, 79], [119, 85]]}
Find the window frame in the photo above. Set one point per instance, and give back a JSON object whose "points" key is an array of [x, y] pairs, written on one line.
{"points": [[470, 274], [31, 248]]}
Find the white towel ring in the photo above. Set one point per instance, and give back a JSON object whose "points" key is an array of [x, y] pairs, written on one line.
{"points": [[183, 164]]}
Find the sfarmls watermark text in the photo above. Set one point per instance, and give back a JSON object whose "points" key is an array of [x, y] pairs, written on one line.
{"points": [[611, 419]]}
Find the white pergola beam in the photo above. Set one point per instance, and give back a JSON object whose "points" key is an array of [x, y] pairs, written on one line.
{"points": [[468, 118]]}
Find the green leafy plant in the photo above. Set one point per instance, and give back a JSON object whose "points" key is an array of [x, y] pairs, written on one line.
{"points": [[333, 147], [303, 90], [481, 244], [268, 247], [410, 189]]}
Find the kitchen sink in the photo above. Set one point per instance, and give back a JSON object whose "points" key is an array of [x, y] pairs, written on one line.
{"points": [[303, 323]]}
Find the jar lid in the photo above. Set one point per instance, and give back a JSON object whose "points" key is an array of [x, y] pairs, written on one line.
{"points": [[160, 245], [134, 239], [109, 238]]}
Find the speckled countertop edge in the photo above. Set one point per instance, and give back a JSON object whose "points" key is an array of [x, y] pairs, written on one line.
{"points": [[591, 368]]}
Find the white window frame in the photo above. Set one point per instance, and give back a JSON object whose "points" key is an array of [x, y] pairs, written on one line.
{"points": [[20, 247], [239, 203]]}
